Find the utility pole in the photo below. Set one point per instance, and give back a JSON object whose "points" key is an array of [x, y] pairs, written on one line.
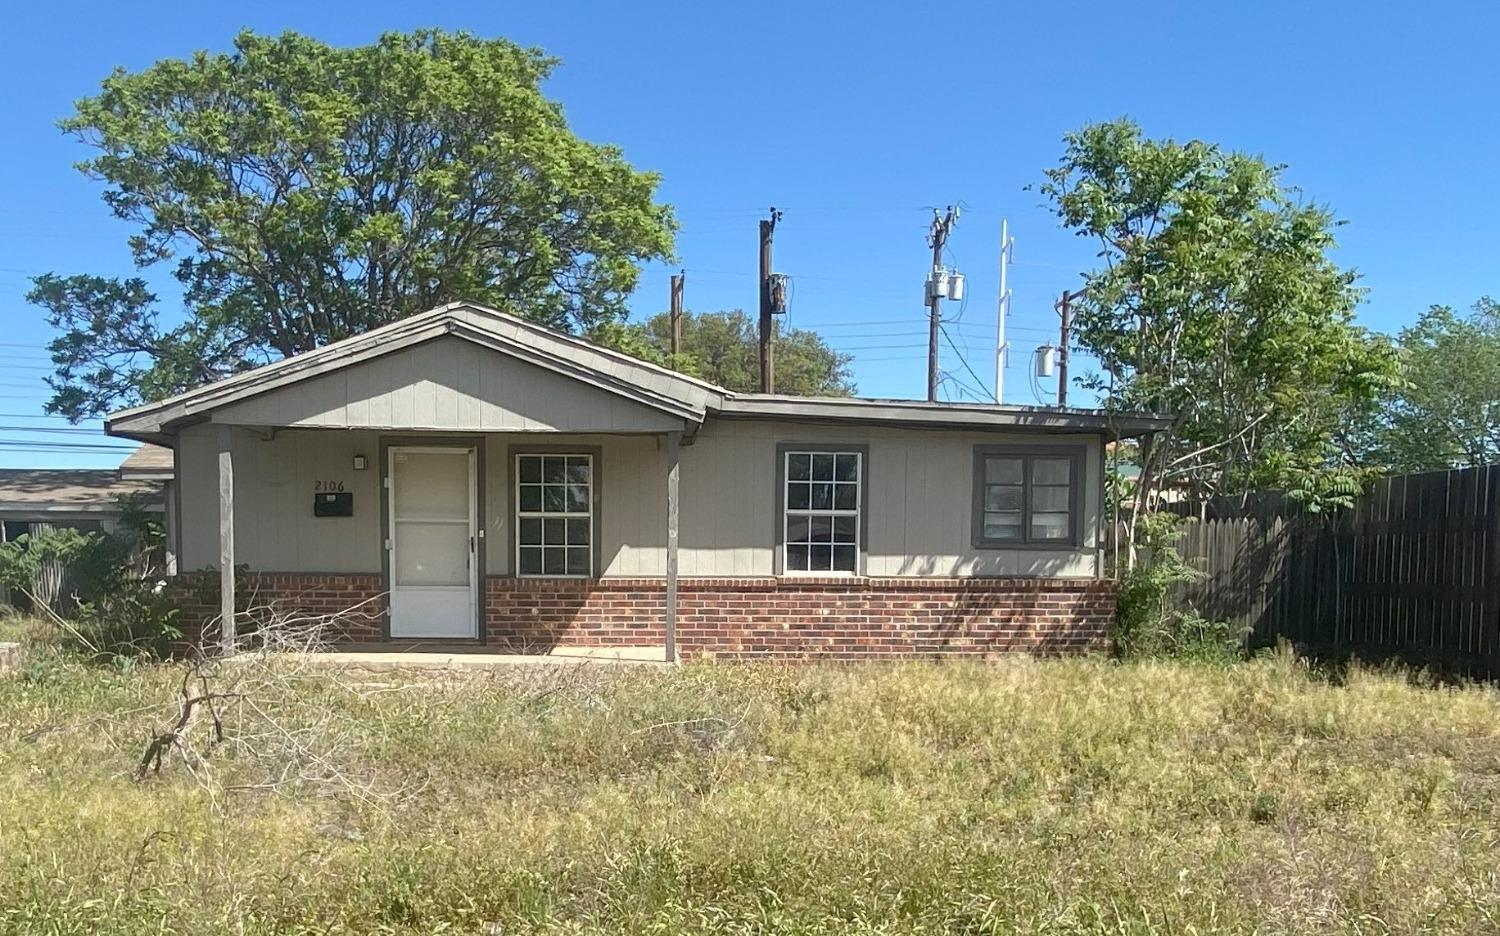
{"points": [[767, 370], [1065, 311], [675, 315], [937, 237], [1002, 310]]}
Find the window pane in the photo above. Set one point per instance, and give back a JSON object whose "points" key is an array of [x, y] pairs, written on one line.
{"points": [[554, 498], [531, 531], [798, 467], [531, 560], [1003, 525], [1051, 470], [798, 496], [531, 469], [554, 469], [822, 467], [578, 469], [578, 560], [555, 560], [822, 496], [843, 559], [578, 532], [844, 529], [846, 497], [1002, 470], [554, 531], [531, 497], [846, 468], [820, 530], [1002, 497], [796, 557], [820, 558], [431, 553], [1049, 526], [1049, 498], [578, 498], [796, 529], [431, 485]]}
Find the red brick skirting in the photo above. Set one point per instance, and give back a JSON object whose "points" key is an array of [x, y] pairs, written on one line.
{"points": [[731, 618], [351, 607]]}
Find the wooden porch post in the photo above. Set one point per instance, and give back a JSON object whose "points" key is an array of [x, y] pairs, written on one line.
{"points": [[674, 442], [226, 541]]}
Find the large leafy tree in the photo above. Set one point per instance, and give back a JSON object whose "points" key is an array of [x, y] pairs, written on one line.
{"points": [[724, 347], [1216, 302], [302, 193], [1446, 412]]}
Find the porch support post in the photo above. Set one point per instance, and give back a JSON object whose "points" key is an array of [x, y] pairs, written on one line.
{"points": [[226, 541], [674, 443]]}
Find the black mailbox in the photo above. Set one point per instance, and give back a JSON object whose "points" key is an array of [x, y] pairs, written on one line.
{"points": [[339, 504]]}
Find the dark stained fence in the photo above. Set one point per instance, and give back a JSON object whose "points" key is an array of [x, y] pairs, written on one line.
{"points": [[1413, 570]]}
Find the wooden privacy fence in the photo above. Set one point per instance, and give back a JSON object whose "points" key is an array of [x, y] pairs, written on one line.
{"points": [[1412, 570]]}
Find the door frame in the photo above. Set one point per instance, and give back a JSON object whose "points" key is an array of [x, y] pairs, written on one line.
{"points": [[476, 443]]}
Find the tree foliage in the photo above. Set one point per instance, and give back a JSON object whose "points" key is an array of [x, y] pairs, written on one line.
{"points": [[1217, 303], [302, 193], [724, 348], [1446, 412]]}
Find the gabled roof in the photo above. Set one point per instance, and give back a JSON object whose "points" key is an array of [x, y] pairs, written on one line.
{"points": [[149, 462], [667, 391], [657, 387]]}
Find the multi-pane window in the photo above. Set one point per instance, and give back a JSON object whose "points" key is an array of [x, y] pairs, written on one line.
{"points": [[822, 498], [555, 515], [1025, 498]]}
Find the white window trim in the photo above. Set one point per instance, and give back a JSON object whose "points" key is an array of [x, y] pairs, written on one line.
{"points": [[545, 515], [857, 513]]}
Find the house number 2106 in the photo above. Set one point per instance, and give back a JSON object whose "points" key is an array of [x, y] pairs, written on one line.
{"points": [[328, 486]]}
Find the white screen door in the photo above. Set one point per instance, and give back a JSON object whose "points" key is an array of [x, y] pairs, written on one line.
{"points": [[433, 551]]}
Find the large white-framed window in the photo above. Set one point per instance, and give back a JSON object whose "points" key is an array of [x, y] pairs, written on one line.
{"points": [[822, 510], [555, 514]]}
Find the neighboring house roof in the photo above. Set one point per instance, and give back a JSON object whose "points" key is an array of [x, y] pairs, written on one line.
{"points": [[149, 462], [41, 491], [678, 395]]}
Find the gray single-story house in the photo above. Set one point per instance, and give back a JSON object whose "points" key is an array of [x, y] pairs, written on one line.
{"points": [[479, 480]]}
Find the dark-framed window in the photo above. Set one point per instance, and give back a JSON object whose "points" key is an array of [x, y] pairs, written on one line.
{"points": [[822, 500], [1028, 496], [555, 514]]}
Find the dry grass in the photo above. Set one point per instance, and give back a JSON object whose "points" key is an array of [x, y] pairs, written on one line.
{"points": [[1077, 796]]}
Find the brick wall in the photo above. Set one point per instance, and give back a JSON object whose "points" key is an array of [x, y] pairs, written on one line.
{"points": [[756, 618], [302, 595], [830, 618]]}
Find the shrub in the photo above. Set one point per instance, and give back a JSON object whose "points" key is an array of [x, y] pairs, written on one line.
{"points": [[1151, 621], [116, 607]]}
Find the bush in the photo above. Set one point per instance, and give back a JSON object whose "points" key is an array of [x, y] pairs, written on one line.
{"points": [[1150, 622], [116, 607]]}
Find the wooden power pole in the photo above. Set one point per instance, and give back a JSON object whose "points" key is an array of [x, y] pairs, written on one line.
{"points": [[675, 315], [767, 369], [1065, 313], [937, 237]]}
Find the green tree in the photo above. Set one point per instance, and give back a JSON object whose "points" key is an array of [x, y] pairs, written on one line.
{"points": [[1217, 303], [724, 348], [1446, 412], [303, 193]]}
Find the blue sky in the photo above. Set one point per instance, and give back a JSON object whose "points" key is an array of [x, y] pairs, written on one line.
{"points": [[856, 120]]}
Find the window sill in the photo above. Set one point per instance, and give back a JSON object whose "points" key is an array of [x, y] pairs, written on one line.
{"points": [[1019, 544]]}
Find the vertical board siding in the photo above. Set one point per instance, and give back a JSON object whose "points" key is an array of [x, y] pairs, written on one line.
{"points": [[1412, 569], [448, 384]]}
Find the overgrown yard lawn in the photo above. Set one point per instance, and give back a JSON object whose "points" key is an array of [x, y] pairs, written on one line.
{"points": [[1076, 796]]}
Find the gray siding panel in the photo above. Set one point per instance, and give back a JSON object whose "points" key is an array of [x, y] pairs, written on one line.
{"points": [[447, 384], [920, 497]]}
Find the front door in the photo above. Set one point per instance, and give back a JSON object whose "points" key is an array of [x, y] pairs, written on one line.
{"points": [[433, 509]]}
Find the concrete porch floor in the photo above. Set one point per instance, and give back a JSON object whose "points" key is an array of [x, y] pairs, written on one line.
{"points": [[452, 658]]}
